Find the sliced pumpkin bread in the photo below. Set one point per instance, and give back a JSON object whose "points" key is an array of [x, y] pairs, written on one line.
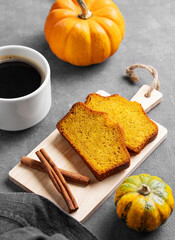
{"points": [[96, 138], [139, 130]]}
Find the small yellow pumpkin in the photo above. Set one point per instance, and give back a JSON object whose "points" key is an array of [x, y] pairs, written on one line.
{"points": [[144, 202], [84, 33]]}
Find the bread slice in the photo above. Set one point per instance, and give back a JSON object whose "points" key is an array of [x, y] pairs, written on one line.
{"points": [[97, 139], [139, 130]]}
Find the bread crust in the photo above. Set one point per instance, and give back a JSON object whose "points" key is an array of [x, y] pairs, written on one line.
{"points": [[148, 140], [116, 169]]}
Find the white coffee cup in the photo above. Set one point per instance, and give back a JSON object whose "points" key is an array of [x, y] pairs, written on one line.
{"points": [[26, 111]]}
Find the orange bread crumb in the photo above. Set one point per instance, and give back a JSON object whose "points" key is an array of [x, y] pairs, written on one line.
{"points": [[97, 139], [138, 128]]}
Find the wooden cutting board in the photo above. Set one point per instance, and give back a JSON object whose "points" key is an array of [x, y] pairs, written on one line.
{"points": [[90, 197]]}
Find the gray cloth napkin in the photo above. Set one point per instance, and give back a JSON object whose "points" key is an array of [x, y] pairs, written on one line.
{"points": [[29, 216]]}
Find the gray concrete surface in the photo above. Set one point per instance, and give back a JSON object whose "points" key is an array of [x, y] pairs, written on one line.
{"points": [[149, 39]]}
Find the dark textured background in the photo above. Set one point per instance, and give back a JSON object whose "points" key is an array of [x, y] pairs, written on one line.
{"points": [[149, 39]]}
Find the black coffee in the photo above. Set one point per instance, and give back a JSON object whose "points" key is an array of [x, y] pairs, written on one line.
{"points": [[18, 78]]}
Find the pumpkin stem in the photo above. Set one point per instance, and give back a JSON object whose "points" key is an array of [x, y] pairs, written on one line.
{"points": [[85, 13], [144, 190]]}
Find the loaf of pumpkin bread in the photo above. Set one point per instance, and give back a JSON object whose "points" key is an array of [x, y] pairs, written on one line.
{"points": [[96, 138], [139, 130]]}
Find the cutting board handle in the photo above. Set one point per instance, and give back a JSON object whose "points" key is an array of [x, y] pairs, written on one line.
{"points": [[147, 102]]}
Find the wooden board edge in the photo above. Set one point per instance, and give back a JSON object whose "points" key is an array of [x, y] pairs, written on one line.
{"points": [[125, 176], [10, 176]]}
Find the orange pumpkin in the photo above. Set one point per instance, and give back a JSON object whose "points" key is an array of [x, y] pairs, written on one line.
{"points": [[144, 202], [84, 34]]}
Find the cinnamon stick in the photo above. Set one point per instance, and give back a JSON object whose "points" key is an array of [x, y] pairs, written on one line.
{"points": [[69, 176], [57, 171], [57, 179]]}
